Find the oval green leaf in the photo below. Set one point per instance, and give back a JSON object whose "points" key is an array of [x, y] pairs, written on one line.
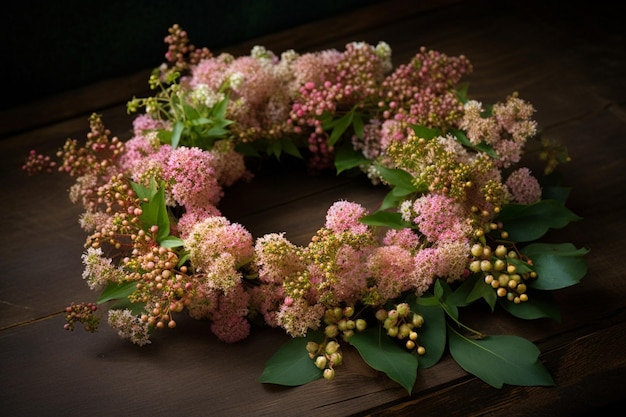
{"points": [[557, 265], [382, 353], [291, 365], [499, 360]]}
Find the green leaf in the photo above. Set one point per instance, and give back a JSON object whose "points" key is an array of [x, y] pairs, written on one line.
{"points": [[291, 365], [177, 132], [397, 177], [521, 267], [442, 293], [200, 121], [339, 127], [347, 158], [382, 353], [171, 242], [525, 223], [124, 303], [219, 109], [553, 192], [115, 291], [357, 125], [275, 149], [432, 334], [500, 360], [247, 149], [484, 291], [290, 148], [459, 296], [385, 219], [165, 136], [472, 289], [216, 132], [155, 213], [557, 265], [540, 304], [426, 132], [461, 92], [144, 192]]}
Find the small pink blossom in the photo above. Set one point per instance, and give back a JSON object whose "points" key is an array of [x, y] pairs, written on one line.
{"points": [[344, 216], [524, 186], [440, 217], [392, 268]]}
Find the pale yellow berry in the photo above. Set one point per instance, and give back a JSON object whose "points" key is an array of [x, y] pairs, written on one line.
{"points": [[321, 361]]}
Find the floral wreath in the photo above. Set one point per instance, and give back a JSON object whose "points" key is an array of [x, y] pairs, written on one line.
{"points": [[460, 223]]}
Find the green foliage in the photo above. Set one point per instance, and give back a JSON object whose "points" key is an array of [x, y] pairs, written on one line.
{"points": [[557, 265], [540, 304], [155, 213], [385, 219], [171, 242], [473, 289], [526, 223], [552, 192], [124, 303], [499, 360], [426, 132], [117, 291], [382, 353], [346, 158], [401, 183], [291, 365], [193, 125], [338, 126]]}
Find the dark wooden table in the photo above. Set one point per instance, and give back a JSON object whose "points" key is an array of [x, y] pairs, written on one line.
{"points": [[570, 63]]}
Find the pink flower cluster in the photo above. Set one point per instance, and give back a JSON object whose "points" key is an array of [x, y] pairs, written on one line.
{"points": [[345, 264], [506, 129]]}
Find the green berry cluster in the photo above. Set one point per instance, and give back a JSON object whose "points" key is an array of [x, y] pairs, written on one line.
{"points": [[342, 322], [401, 322], [503, 270], [326, 356]]}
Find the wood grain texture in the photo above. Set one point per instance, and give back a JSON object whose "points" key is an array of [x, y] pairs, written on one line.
{"points": [[569, 64]]}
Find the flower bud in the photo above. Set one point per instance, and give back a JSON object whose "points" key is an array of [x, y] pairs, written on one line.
{"points": [[403, 309], [321, 361], [332, 347], [329, 374], [336, 359], [417, 320], [500, 251], [392, 331], [331, 330], [474, 266], [404, 331], [477, 250], [361, 325], [312, 347]]}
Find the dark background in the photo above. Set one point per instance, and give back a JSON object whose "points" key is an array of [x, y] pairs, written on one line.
{"points": [[55, 46]]}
